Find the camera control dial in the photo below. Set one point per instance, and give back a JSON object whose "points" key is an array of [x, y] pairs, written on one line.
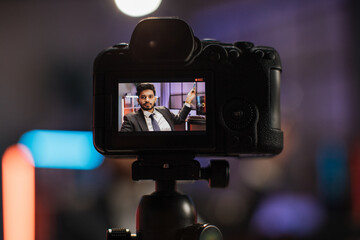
{"points": [[237, 114]]}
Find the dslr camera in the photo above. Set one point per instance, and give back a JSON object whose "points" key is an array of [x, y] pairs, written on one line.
{"points": [[235, 111], [167, 97]]}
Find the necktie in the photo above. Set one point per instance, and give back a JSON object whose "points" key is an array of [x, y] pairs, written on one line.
{"points": [[154, 123]]}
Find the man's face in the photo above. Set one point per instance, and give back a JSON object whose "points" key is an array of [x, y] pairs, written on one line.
{"points": [[147, 100]]}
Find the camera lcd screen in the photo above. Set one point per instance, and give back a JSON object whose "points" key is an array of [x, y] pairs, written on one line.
{"points": [[162, 105]]}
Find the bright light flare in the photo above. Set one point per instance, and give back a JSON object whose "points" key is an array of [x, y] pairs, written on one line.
{"points": [[137, 8], [18, 182]]}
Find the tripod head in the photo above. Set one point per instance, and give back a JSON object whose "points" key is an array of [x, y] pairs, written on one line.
{"points": [[180, 167], [167, 214]]}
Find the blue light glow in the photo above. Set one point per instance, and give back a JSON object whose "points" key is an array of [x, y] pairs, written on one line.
{"points": [[332, 172], [62, 149]]}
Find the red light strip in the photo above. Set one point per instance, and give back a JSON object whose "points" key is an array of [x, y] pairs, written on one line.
{"points": [[354, 169], [18, 182]]}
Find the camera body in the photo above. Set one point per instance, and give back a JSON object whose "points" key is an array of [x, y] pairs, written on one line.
{"points": [[236, 110]]}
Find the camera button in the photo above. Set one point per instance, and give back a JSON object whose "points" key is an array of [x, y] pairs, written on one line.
{"points": [[215, 56], [244, 45], [234, 54], [259, 54], [270, 56]]}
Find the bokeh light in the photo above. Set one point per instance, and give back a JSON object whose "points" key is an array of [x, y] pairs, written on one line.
{"points": [[137, 8], [18, 183], [288, 214], [62, 149]]}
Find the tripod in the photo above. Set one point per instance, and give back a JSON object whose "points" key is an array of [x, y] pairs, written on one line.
{"points": [[167, 214]]}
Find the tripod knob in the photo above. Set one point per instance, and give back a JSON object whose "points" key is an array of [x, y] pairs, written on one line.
{"points": [[217, 173], [201, 232], [118, 234]]}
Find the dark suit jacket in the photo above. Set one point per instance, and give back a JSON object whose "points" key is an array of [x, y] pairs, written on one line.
{"points": [[135, 121]]}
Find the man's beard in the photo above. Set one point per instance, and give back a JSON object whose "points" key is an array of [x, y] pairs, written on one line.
{"points": [[147, 108]]}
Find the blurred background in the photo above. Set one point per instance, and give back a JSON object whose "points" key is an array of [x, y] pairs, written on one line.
{"points": [[310, 191]]}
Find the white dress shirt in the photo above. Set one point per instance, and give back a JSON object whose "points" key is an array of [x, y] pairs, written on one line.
{"points": [[163, 124]]}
